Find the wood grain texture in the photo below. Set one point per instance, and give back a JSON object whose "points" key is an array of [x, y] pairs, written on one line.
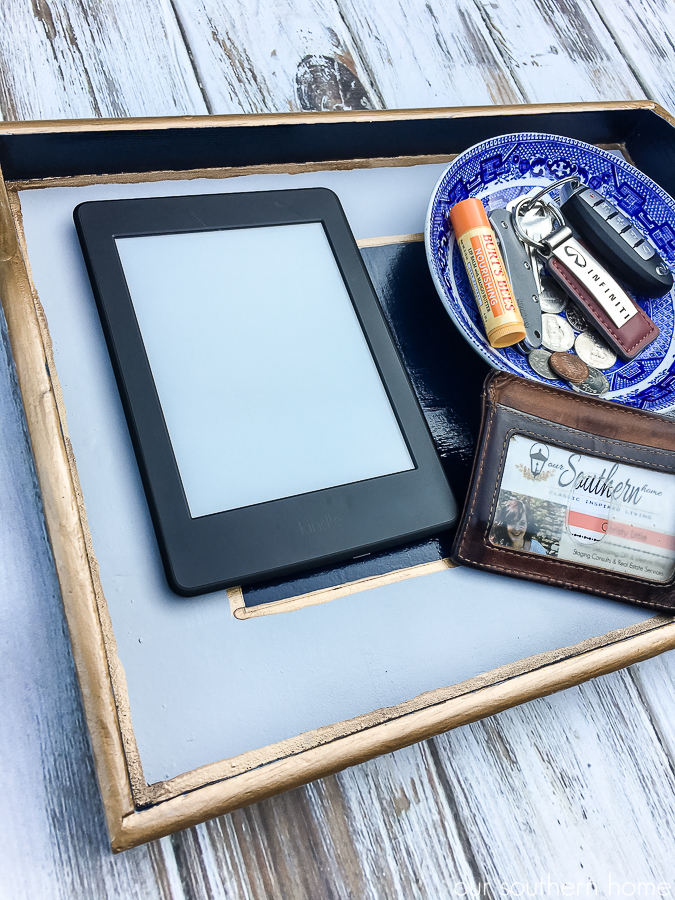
{"points": [[558, 49], [655, 682], [297, 845], [452, 61], [77, 58], [583, 785], [583, 778], [300, 57], [644, 31]]}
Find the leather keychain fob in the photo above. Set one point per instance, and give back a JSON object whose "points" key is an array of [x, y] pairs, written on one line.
{"points": [[622, 323], [615, 240]]}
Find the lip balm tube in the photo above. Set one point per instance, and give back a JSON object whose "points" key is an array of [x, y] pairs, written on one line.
{"points": [[485, 267]]}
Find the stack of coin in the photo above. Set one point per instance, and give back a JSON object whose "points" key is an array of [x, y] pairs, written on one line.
{"points": [[580, 367], [568, 367]]}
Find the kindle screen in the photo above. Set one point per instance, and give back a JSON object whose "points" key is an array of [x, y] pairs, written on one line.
{"points": [[266, 381]]}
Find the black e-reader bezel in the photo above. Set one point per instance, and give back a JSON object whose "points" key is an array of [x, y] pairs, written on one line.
{"points": [[279, 537]]}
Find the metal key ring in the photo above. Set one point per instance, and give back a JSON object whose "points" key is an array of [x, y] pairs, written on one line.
{"points": [[528, 202]]}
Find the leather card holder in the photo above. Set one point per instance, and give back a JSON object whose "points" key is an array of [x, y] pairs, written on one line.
{"points": [[572, 491]]}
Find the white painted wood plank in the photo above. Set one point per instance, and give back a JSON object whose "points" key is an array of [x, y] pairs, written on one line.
{"points": [[53, 840], [386, 829], [576, 785], [77, 58], [297, 56], [430, 53], [558, 50], [644, 32], [404, 824], [655, 680], [573, 788], [295, 845]]}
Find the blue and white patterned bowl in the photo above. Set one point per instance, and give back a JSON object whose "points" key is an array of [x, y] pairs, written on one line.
{"points": [[500, 169]]}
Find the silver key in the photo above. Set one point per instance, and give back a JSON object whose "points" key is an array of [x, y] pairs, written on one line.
{"points": [[537, 223]]}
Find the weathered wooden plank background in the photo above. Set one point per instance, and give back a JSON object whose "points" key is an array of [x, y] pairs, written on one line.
{"points": [[577, 787]]}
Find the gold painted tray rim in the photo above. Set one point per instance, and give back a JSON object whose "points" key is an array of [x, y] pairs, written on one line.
{"points": [[223, 786]]}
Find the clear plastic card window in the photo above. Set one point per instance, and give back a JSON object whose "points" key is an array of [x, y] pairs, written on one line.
{"points": [[598, 512]]}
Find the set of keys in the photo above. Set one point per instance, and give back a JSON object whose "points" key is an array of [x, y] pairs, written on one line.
{"points": [[552, 273]]}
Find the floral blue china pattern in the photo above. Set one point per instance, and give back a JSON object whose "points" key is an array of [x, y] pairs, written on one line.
{"points": [[501, 169]]}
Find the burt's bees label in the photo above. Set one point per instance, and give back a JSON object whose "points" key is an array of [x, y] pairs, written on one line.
{"points": [[484, 265]]}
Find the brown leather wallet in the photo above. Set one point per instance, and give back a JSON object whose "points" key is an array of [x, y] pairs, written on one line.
{"points": [[572, 491]]}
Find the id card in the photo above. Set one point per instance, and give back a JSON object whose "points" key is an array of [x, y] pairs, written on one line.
{"points": [[592, 511]]}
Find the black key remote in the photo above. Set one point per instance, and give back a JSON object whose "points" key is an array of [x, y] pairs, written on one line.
{"points": [[612, 235]]}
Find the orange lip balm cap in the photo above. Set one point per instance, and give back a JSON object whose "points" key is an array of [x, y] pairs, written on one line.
{"points": [[468, 214]]}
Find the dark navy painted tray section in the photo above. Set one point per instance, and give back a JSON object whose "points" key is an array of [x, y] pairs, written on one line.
{"points": [[447, 376]]}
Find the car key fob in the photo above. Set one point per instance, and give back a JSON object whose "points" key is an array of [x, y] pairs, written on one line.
{"points": [[613, 237]]}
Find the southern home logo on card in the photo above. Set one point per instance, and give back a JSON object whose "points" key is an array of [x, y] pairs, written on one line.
{"points": [[605, 484], [539, 454], [537, 471]]}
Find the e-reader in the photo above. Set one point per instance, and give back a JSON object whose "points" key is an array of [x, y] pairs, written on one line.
{"points": [[273, 422]]}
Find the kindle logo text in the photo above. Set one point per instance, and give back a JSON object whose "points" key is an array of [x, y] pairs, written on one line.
{"points": [[322, 524]]}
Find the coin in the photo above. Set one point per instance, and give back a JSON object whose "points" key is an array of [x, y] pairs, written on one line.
{"points": [[569, 367], [594, 351], [538, 360], [556, 333], [595, 384], [576, 318], [550, 304]]}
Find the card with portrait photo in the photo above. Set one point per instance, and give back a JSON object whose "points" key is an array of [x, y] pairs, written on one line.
{"points": [[559, 502]]}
